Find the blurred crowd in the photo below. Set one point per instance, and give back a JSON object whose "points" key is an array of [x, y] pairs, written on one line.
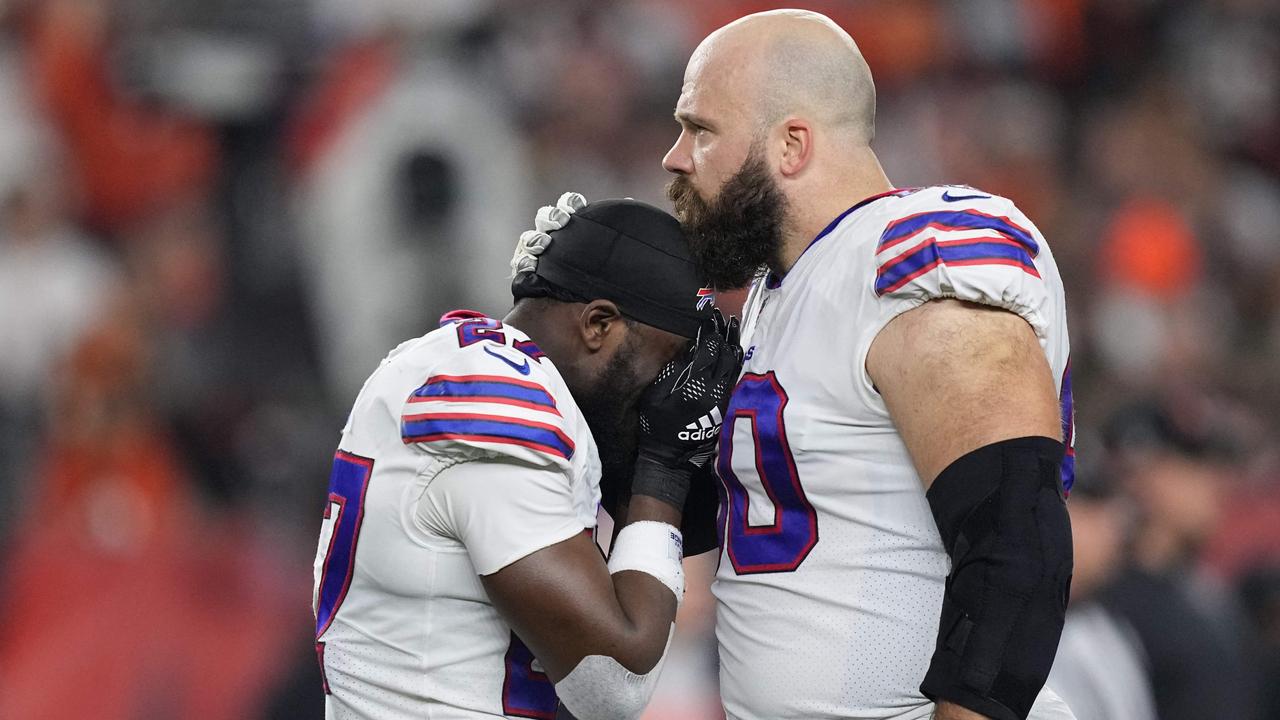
{"points": [[217, 216]]}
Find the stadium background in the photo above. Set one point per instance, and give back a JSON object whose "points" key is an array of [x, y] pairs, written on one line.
{"points": [[217, 216]]}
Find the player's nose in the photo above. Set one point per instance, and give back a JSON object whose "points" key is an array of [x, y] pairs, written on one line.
{"points": [[678, 159]]}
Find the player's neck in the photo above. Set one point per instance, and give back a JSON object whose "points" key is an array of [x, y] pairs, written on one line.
{"points": [[859, 179], [532, 317], [543, 320]]}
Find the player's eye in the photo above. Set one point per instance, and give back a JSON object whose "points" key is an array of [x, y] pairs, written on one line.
{"points": [[690, 126]]}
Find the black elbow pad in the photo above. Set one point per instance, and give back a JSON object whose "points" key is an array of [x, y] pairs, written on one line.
{"points": [[1003, 520]]}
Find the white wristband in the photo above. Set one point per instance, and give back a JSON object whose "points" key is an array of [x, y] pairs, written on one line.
{"points": [[653, 548]]}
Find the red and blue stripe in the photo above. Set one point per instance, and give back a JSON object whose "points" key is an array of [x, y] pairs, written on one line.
{"points": [[899, 231], [1009, 244], [528, 347], [504, 430], [487, 389]]}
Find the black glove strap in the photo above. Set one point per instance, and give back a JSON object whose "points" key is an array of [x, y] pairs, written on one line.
{"points": [[668, 484]]}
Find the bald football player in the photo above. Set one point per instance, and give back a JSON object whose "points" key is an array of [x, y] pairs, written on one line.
{"points": [[896, 452], [893, 456]]}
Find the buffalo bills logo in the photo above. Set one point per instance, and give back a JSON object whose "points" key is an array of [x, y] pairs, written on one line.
{"points": [[706, 296]]}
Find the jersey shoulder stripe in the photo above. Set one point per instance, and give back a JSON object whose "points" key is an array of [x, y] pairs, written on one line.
{"points": [[477, 427], [485, 389], [931, 253], [902, 230], [916, 244], [470, 398]]}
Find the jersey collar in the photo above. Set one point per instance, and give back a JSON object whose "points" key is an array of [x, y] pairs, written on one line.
{"points": [[773, 281]]}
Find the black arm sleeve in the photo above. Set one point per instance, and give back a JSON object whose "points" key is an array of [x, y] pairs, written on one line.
{"points": [[1003, 520]]}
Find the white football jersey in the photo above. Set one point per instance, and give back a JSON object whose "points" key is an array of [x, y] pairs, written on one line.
{"points": [[464, 453], [831, 569]]}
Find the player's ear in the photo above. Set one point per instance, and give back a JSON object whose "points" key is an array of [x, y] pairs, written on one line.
{"points": [[600, 324], [797, 146]]}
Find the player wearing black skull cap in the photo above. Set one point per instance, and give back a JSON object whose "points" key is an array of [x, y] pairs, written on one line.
{"points": [[456, 575]]}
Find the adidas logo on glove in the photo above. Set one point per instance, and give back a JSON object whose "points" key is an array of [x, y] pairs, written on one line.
{"points": [[707, 426]]}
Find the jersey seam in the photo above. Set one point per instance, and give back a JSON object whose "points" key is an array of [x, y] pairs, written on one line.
{"points": [[420, 536]]}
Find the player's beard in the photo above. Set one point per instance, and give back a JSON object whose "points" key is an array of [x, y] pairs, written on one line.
{"points": [[739, 232], [614, 422]]}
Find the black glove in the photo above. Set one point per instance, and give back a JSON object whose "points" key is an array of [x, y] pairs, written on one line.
{"points": [[681, 413]]}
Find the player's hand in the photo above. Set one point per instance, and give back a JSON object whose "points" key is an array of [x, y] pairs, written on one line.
{"points": [[681, 413], [549, 217]]}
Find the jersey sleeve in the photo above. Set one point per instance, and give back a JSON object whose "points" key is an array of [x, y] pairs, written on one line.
{"points": [[461, 416], [500, 510], [983, 251]]}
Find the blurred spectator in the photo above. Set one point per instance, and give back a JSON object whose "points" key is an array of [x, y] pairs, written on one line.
{"points": [[1155, 320], [127, 157], [1174, 466], [1101, 667], [117, 575], [53, 283]]}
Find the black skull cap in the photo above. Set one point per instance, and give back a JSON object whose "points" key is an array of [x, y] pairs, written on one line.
{"points": [[630, 253]]}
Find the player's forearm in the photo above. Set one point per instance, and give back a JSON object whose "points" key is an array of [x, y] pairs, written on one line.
{"points": [[648, 605], [566, 605], [650, 608]]}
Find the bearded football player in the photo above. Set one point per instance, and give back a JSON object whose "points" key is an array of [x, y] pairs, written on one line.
{"points": [[893, 465]]}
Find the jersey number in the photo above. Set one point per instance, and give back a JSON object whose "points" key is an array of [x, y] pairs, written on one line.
{"points": [[343, 515], [471, 332], [783, 544], [526, 692]]}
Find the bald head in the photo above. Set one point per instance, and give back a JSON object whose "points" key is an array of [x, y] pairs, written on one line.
{"points": [[776, 116], [791, 62]]}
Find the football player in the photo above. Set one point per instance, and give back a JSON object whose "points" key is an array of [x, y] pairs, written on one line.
{"points": [[456, 574], [896, 452]]}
